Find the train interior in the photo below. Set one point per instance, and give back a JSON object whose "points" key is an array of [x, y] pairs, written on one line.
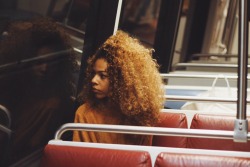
{"points": [[198, 45]]}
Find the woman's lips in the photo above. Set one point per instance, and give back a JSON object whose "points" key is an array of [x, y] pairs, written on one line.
{"points": [[96, 90]]}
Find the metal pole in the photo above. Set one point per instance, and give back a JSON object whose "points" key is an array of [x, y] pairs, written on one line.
{"points": [[142, 130], [117, 18], [241, 124]]}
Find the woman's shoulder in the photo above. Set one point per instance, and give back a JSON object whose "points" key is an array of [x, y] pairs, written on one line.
{"points": [[82, 108]]}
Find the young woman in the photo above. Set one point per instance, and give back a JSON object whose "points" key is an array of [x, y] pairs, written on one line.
{"points": [[123, 87]]}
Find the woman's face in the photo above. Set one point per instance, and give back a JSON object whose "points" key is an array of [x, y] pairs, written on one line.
{"points": [[100, 80], [40, 70]]}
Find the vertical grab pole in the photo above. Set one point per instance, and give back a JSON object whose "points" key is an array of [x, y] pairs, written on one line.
{"points": [[241, 123], [117, 18]]}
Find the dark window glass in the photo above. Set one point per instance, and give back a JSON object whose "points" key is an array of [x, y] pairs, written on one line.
{"points": [[140, 18]]}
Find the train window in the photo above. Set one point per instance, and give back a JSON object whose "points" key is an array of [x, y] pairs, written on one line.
{"points": [[207, 42], [208, 33], [71, 12], [140, 18], [206, 51]]}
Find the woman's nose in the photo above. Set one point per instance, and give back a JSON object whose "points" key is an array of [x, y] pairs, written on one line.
{"points": [[95, 79]]}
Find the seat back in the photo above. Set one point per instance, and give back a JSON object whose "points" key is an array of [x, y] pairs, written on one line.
{"points": [[165, 159], [213, 122], [171, 120], [65, 156]]}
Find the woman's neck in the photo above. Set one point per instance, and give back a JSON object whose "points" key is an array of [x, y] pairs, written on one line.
{"points": [[105, 103]]}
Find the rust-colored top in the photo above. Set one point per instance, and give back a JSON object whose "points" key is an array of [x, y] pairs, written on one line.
{"points": [[85, 114]]}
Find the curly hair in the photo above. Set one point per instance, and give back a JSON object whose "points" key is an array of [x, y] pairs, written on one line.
{"points": [[134, 79]]}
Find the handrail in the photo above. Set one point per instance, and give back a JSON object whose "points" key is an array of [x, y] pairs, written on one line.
{"points": [[117, 17], [68, 27], [213, 55], [201, 99], [207, 65], [5, 130], [242, 63], [6, 115], [241, 123], [45, 57], [230, 24], [165, 75], [78, 50], [142, 130]]}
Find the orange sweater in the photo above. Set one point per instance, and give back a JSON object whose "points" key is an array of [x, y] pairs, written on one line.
{"points": [[85, 114]]}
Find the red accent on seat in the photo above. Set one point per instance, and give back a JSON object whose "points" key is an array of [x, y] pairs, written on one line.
{"points": [[171, 120], [194, 160], [71, 156], [213, 122]]}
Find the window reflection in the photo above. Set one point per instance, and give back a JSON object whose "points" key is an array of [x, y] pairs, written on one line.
{"points": [[37, 82], [140, 19], [38, 68], [72, 12]]}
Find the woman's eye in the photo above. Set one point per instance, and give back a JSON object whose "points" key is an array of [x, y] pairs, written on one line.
{"points": [[103, 76]]}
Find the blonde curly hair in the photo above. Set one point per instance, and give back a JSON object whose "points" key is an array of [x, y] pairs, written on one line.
{"points": [[135, 82]]}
